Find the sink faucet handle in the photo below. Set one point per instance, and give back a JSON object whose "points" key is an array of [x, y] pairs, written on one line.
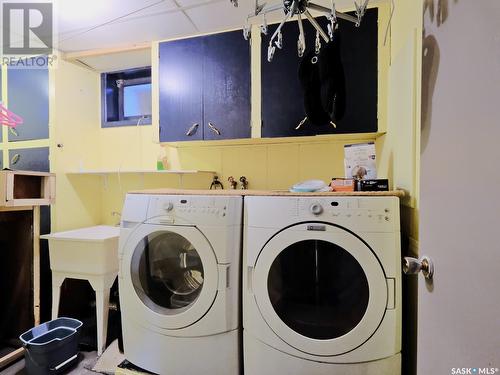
{"points": [[244, 183]]}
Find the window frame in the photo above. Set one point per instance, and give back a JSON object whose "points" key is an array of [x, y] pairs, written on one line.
{"points": [[123, 121]]}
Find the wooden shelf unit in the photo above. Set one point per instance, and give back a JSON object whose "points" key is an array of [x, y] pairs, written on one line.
{"points": [[26, 188], [27, 191]]}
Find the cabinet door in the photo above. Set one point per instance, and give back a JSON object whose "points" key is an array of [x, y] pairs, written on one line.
{"points": [[16, 259], [28, 93], [226, 86], [282, 95], [181, 91], [30, 159], [282, 98], [359, 51]]}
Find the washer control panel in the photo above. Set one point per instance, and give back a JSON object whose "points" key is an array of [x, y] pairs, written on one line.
{"points": [[191, 209], [316, 209]]}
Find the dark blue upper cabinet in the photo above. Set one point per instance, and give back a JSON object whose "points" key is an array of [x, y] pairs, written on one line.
{"points": [[282, 95], [28, 93], [226, 86], [205, 88], [181, 90]]}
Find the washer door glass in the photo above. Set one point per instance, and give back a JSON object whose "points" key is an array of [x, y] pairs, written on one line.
{"points": [[318, 289], [167, 272]]}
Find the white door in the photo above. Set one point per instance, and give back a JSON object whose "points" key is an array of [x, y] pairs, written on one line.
{"points": [[322, 291], [459, 312], [170, 275]]}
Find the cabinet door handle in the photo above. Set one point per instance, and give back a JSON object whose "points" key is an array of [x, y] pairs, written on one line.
{"points": [[192, 130], [301, 123], [214, 129]]}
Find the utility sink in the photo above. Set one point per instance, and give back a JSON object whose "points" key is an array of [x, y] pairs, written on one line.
{"points": [[92, 250]]}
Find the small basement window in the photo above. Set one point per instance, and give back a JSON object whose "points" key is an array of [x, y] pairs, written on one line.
{"points": [[126, 97]]}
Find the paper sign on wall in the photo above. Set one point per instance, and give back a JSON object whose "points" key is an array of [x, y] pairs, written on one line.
{"points": [[360, 161]]}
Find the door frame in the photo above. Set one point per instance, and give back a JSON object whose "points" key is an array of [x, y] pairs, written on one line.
{"points": [[364, 255]]}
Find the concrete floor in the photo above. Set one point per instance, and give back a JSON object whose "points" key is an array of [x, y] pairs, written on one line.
{"points": [[86, 362]]}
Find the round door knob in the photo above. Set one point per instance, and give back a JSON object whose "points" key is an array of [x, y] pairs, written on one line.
{"points": [[316, 209], [168, 206], [412, 266]]}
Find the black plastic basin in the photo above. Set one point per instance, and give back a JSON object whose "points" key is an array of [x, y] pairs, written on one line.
{"points": [[51, 347]]}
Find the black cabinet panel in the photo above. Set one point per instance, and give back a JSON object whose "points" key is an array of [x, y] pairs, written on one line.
{"points": [[45, 272], [226, 85], [282, 97], [360, 57], [28, 91], [16, 257], [181, 91], [30, 159]]}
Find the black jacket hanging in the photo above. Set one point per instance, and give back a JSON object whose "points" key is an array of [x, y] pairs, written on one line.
{"points": [[331, 72], [323, 83], [309, 77]]}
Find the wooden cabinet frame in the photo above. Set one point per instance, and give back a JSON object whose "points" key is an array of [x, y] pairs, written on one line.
{"points": [[27, 191], [23, 188]]}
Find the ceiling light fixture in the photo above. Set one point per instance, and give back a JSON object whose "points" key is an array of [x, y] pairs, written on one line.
{"points": [[299, 8]]}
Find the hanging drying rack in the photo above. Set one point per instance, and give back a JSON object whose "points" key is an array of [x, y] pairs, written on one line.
{"points": [[299, 8]]}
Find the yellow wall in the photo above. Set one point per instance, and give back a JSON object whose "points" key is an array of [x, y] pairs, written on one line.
{"points": [[269, 163], [399, 149], [73, 124], [84, 200]]}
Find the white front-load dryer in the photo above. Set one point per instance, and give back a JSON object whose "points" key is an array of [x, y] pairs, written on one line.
{"points": [[321, 286], [179, 283]]}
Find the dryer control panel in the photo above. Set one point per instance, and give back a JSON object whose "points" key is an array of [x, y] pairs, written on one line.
{"points": [[370, 214]]}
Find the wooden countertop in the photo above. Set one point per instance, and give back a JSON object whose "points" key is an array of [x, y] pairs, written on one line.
{"points": [[276, 193]]}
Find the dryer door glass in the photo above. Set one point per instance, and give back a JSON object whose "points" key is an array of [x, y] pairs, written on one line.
{"points": [[318, 289], [167, 272]]}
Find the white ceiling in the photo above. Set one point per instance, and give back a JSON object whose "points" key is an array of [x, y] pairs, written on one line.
{"points": [[100, 24]]}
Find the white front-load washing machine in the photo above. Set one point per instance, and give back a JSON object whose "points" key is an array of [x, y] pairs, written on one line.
{"points": [[179, 283], [321, 286]]}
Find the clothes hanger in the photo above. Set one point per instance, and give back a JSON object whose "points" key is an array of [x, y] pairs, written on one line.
{"points": [[9, 118], [301, 8]]}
